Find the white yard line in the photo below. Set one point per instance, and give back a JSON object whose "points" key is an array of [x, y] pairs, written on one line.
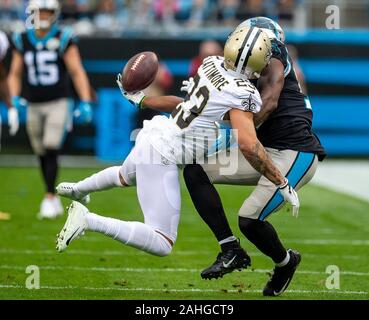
{"points": [[345, 176], [4, 286], [150, 270], [184, 253], [354, 242]]}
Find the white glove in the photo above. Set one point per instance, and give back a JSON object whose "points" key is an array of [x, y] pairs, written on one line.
{"points": [[290, 195], [187, 85], [13, 121], [135, 98]]}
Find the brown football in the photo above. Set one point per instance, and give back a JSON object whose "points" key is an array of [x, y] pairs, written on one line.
{"points": [[140, 71]]}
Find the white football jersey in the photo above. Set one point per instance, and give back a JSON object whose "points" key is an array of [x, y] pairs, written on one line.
{"points": [[190, 132], [4, 45]]}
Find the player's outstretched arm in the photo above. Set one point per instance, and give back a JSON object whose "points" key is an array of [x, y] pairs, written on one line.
{"points": [[162, 103], [270, 86], [256, 155]]}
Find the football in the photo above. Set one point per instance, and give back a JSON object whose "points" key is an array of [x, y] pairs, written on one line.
{"points": [[140, 71]]}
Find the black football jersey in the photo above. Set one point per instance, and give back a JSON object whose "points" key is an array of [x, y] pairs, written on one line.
{"points": [[289, 126], [45, 77]]}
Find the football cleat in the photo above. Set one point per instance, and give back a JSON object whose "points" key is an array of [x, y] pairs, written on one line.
{"points": [[282, 276], [226, 262], [48, 210], [65, 189], [74, 227]]}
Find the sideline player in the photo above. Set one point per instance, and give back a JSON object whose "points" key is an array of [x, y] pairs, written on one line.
{"points": [[285, 129], [220, 86], [48, 55], [13, 120]]}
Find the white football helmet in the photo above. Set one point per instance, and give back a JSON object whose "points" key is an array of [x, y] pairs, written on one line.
{"points": [[51, 5]]}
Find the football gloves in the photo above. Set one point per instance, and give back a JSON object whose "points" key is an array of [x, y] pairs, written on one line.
{"points": [[19, 102], [83, 112], [187, 85], [290, 195], [135, 98], [13, 121]]}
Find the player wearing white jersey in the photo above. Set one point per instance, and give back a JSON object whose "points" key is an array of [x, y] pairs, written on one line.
{"points": [[220, 87], [4, 90]]}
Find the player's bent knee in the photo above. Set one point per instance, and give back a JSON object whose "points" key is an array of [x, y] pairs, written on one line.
{"points": [[249, 225], [165, 248]]}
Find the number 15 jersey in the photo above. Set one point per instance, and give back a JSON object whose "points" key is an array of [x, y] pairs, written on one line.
{"points": [[190, 132], [45, 74]]}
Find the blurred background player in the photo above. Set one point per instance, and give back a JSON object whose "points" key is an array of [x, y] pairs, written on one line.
{"points": [[46, 55], [207, 48], [13, 120]]}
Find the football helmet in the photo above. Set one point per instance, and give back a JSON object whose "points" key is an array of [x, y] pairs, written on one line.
{"points": [[247, 52], [50, 5], [269, 26]]}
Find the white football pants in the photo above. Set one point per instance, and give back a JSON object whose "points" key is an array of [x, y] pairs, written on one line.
{"points": [[158, 191]]}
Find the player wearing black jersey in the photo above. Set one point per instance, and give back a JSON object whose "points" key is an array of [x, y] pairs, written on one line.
{"points": [[284, 128], [47, 56], [13, 121]]}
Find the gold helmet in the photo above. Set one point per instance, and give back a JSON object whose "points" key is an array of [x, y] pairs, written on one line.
{"points": [[247, 52]]}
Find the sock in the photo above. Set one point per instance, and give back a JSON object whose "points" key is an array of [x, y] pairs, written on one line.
{"points": [[207, 201], [134, 234], [264, 237], [42, 160], [103, 180], [285, 260], [229, 243], [49, 167]]}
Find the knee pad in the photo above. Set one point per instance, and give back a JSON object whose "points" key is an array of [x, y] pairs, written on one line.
{"points": [[195, 174]]}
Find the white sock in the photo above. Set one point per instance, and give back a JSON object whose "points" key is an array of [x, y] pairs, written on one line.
{"points": [[229, 239], [285, 261], [134, 234], [103, 180]]}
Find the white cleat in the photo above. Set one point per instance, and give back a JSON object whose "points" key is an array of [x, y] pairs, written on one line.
{"points": [[65, 189], [48, 209], [74, 227]]}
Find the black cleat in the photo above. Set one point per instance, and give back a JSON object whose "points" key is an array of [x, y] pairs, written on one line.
{"points": [[282, 276], [226, 262]]}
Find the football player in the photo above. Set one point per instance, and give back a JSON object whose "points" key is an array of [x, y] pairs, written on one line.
{"points": [[221, 86], [4, 90], [47, 55], [285, 129]]}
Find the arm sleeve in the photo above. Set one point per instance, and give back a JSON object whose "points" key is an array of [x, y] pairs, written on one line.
{"points": [[67, 38], [280, 52], [17, 42]]}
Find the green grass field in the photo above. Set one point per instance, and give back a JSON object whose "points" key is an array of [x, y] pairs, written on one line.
{"points": [[332, 229]]}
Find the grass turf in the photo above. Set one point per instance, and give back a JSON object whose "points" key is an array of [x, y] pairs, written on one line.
{"points": [[332, 229]]}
